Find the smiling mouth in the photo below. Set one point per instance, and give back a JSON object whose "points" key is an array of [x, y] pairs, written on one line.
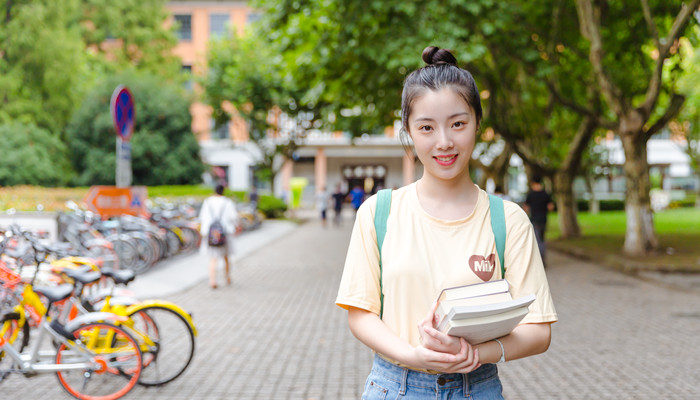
{"points": [[445, 160]]}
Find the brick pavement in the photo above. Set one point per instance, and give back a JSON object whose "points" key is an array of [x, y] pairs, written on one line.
{"points": [[275, 334]]}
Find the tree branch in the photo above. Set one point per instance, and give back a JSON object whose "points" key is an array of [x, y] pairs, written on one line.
{"points": [[572, 161], [664, 48], [566, 102], [590, 29], [673, 109], [650, 23]]}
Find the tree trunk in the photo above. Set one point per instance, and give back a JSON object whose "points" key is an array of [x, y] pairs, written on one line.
{"points": [[566, 205], [640, 237]]}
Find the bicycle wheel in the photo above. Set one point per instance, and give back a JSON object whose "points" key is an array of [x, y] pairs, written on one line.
{"points": [[118, 363], [16, 333], [174, 344]]}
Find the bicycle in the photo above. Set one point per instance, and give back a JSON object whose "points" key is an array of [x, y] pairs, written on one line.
{"points": [[164, 331], [92, 358]]}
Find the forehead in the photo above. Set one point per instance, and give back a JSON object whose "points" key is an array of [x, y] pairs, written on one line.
{"points": [[435, 104]]}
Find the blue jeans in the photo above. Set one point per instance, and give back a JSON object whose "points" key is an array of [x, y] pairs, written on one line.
{"points": [[388, 381]]}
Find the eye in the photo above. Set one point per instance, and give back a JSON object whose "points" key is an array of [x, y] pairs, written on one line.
{"points": [[458, 124], [425, 128]]}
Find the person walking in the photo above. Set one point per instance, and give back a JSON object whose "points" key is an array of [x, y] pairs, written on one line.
{"points": [[220, 210], [338, 199], [438, 230], [537, 204], [322, 199], [357, 197]]}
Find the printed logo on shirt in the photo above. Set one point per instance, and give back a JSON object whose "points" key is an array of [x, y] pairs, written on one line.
{"points": [[483, 267]]}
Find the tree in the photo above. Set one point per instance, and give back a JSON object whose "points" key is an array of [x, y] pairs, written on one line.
{"points": [[628, 55], [41, 60], [51, 52], [687, 125], [130, 33], [515, 50], [32, 156], [243, 80], [163, 149]]}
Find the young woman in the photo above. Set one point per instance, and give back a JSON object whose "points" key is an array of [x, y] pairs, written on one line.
{"points": [[438, 229], [218, 207]]}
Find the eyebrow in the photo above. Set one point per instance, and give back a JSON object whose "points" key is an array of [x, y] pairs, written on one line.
{"points": [[450, 117]]}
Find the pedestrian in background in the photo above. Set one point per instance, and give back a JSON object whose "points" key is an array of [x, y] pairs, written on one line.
{"points": [[357, 197], [322, 199], [537, 204], [434, 228], [218, 208], [338, 199]]}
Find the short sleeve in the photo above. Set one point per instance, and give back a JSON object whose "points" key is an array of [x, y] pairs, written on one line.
{"points": [[524, 268], [359, 285]]}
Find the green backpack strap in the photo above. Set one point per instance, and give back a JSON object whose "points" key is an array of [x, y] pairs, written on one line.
{"points": [[381, 215], [498, 225]]}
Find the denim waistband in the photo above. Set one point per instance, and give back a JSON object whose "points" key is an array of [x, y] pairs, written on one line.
{"points": [[408, 377]]}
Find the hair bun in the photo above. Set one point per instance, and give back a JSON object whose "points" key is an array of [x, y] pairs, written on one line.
{"points": [[433, 55]]}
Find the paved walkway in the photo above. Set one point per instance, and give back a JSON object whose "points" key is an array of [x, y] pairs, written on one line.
{"points": [[276, 334]]}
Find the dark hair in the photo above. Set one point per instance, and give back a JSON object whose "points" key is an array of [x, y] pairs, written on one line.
{"points": [[440, 71], [536, 179], [219, 189]]}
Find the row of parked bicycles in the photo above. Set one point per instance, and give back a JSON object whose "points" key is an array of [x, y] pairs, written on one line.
{"points": [[138, 243], [129, 242], [72, 316]]}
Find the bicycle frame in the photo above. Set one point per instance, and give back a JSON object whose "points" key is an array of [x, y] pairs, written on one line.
{"points": [[31, 361]]}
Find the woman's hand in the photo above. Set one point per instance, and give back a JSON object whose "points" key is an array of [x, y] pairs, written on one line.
{"points": [[466, 360], [433, 339]]}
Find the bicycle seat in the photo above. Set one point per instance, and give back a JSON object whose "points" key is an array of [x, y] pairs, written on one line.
{"points": [[83, 276], [122, 277], [55, 294]]}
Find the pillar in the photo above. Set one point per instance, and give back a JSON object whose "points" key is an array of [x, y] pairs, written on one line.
{"points": [[321, 169]]}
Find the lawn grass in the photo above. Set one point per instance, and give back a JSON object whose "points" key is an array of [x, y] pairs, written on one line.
{"points": [[678, 231]]}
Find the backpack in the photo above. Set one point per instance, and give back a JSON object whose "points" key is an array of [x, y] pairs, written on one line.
{"points": [[381, 215], [217, 234]]}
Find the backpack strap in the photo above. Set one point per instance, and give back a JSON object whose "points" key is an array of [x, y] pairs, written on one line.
{"points": [[498, 225], [381, 215]]}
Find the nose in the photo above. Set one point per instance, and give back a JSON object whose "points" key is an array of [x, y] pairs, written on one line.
{"points": [[444, 139]]}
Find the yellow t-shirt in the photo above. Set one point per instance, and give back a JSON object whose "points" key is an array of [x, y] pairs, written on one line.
{"points": [[422, 255]]}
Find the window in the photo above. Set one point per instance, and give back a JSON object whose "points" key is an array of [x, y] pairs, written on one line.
{"points": [[252, 17], [218, 25], [219, 132], [187, 71], [184, 26]]}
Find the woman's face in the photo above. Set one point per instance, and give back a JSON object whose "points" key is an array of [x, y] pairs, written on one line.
{"points": [[443, 128]]}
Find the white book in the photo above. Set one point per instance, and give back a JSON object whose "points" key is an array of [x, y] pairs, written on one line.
{"points": [[460, 312], [481, 329], [482, 311]]}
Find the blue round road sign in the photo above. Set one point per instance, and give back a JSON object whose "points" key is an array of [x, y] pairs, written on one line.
{"points": [[122, 107]]}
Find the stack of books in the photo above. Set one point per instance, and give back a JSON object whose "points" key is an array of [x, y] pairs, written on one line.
{"points": [[481, 312]]}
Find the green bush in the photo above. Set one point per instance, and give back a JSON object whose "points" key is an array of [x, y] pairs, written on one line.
{"points": [[32, 156], [272, 206]]}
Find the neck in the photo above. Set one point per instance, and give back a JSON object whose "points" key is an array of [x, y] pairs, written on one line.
{"points": [[456, 190]]}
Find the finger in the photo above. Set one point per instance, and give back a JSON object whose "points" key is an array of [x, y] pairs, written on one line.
{"points": [[437, 358], [468, 365]]}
